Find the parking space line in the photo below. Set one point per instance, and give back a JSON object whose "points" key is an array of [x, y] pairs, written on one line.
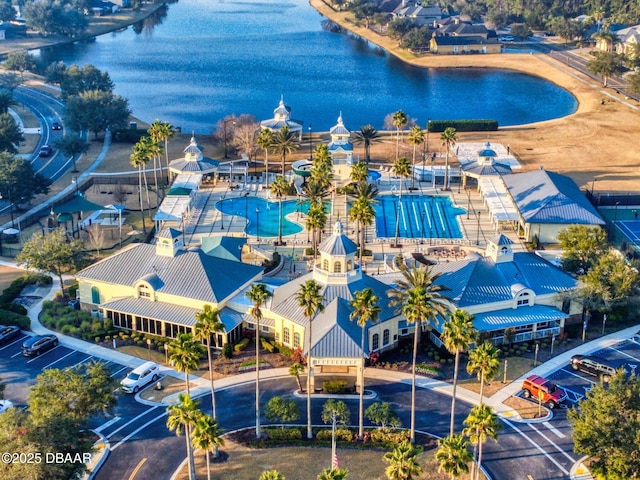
{"points": [[571, 459], [107, 424], [571, 372], [538, 447], [61, 358], [41, 355], [116, 373], [558, 433], [625, 354], [79, 363], [131, 421], [12, 343], [164, 414], [15, 355]]}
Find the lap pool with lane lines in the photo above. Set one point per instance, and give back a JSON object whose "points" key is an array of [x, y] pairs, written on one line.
{"points": [[420, 216]]}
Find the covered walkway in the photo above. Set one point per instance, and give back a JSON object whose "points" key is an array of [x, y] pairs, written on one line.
{"points": [[501, 208]]}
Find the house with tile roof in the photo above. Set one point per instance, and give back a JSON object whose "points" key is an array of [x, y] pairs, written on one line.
{"points": [[548, 202]]}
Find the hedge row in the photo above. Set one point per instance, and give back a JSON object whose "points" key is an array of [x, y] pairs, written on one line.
{"points": [[342, 434], [335, 386], [12, 318], [463, 125], [241, 345], [284, 433], [10, 293]]}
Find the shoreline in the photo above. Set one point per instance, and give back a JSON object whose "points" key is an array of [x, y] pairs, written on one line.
{"points": [[97, 26], [598, 141]]}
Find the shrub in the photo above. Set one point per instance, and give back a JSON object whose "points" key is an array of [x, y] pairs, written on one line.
{"points": [[15, 308], [227, 350], [335, 386], [12, 318], [428, 370], [72, 289], [284, 350], [388, 438], [241, 345], [289, 433], [342, 434], [267, 345]]}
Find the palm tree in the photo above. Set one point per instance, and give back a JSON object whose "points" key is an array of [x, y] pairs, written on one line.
{"points": [[207, 436], [6, 101], [606, 65], [367, 135], [185, 355], [295, 370], [310, 300], [482, 423], [183, 416], [483, 360], [137, 159], [454, 455], [316, 221], [607, 38], [162, 132], [284, 143], [322, 168], [457, 333], [365, 309], [314, 192], [399, 121], [155, 150], [403, 463], [208, 323], [401, 169], [258, 294], [271, 475], [359, 172], [280, 188], [331, 474], [362, 211], [415, 137], [265, 141], [420, 300], [448, 137]]}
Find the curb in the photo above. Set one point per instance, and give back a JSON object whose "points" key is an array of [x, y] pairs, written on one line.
{"points": [[102, 455], [579, 471]]}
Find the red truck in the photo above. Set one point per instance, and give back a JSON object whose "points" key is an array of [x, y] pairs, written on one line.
{"points": [[542, 389]]}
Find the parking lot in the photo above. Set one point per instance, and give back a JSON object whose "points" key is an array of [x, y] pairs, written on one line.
{"points": [[19, 373], [625, 354]]}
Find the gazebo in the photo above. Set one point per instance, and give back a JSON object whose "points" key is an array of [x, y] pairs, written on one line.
{"points": [[193, 161], [484, 165], [282, 118]]}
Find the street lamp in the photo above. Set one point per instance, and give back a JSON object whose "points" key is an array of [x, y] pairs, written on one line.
{"points": [[224, 134], [258, 224], [478, 232], [468, 202], [433, 172], [310, 145], [615, 219], [221, 216]]}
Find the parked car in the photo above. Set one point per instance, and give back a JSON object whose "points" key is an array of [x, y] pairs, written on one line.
{"points": [[146, 373], [543, 389], [56, 126], [38, 344], [5, 405], [596, 366], [45, 151], [8, 332], [506, 38]]}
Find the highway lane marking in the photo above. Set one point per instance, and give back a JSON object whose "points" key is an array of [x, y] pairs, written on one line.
{"points": [[107, 424], [538, 447], [12, 343], [38, 356], [558, 433], [164, 414], [571, 459], [131, 421], [138, 467], [61, 358]]}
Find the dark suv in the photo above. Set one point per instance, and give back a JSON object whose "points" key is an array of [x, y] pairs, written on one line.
{"points": [[596, 366], [544, 390], [38, 344]]}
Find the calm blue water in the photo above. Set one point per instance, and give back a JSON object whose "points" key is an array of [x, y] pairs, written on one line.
{"points": [[208, 59], [263, 215], [421, 216]]}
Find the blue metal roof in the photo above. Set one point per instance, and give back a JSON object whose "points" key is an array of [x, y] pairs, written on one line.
{"points": [[501, 319], [548, 197]]}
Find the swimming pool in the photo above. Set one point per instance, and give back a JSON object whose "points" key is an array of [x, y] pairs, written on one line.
{"points": [[263, 215], [421, 216]]}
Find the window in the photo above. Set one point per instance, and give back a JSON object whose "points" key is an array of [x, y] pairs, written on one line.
{"points": [[504, 251], [264, 329], [349, 265], [325, 264], [285, 336], [95, 295], [523, 299], [375, 343], [385, 337], [144, 292], [296, 340], [337, 267], [566, 305]]}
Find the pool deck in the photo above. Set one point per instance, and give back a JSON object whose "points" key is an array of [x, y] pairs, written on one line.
{"points": [[206, 220]]}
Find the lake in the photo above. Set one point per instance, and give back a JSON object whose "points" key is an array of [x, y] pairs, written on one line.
{"points": [[206, 59]]}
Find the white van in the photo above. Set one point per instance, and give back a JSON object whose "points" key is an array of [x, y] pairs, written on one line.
{"points": [[138, 378]]}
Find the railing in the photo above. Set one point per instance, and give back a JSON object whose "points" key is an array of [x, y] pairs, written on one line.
{"points": [[527, 336]]}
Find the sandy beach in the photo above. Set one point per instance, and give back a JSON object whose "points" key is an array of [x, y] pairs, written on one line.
{"points": [[599, 141]]}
